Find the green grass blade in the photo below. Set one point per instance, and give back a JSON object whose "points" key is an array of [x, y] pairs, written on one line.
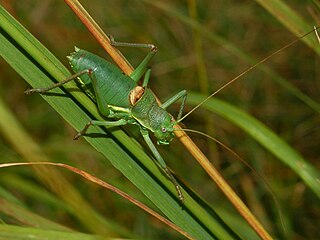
{"points": [[265, 136], [316, 3], [28, 218], [27, 233], [34, 191]]}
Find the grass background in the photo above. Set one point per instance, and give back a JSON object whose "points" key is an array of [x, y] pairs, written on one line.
{"points": [[183, 62]]}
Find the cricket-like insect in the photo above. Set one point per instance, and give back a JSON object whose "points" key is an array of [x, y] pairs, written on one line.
{"points": [[119, 97]]}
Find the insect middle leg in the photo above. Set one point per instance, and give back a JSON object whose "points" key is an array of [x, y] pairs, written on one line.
{"points": [[120, 122]]}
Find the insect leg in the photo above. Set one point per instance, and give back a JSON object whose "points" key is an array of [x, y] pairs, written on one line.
{"points": [[140, 70], [42, 90], [162, 163], [100, 123], [182, 94]]}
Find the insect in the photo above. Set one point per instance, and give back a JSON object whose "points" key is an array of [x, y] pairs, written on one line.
{"points": [[119, 97]]}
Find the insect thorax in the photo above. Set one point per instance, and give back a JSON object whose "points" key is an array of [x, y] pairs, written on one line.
{"points": [[151, 116]]}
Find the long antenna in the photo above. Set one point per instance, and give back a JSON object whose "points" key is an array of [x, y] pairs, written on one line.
{"points": [[248, 70]]}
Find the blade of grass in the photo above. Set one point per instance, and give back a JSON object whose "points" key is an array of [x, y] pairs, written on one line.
{"points": [[5, 194], [27, 233], [32, 190], [25, 216]]}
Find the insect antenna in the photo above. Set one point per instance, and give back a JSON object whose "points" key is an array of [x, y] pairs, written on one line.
{"points": [[250, 69], [226, 147]]}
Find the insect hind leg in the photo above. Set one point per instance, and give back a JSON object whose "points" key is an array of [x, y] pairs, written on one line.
{"points": [[141, 69]]}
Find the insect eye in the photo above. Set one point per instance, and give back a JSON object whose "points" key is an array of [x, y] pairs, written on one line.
{"points": [[163, 130]]}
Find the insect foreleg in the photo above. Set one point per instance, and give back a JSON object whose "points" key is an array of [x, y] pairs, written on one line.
{"points": [[182, 94], [100, 123], [42, 90], [161, 162], [140, 70]]}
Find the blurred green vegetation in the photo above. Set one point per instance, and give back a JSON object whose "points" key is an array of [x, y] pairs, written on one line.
{"points": [[191, 59]]}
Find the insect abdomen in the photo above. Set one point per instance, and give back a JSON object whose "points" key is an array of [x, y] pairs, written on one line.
{"points": [[114, 85]]}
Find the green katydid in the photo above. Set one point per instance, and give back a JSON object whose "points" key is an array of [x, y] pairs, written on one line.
{"points": [[119, 96]]}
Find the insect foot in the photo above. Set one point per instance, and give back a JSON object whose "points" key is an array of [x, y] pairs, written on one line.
{"points": [[180, 195], [83, 131], [33, 90], [77, 136], [175, 183]]}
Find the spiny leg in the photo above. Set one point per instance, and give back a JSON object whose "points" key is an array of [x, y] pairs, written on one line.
{"points": [[45, 89], [182, 94], [100, 123], [140, 70], [161, 162]]}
